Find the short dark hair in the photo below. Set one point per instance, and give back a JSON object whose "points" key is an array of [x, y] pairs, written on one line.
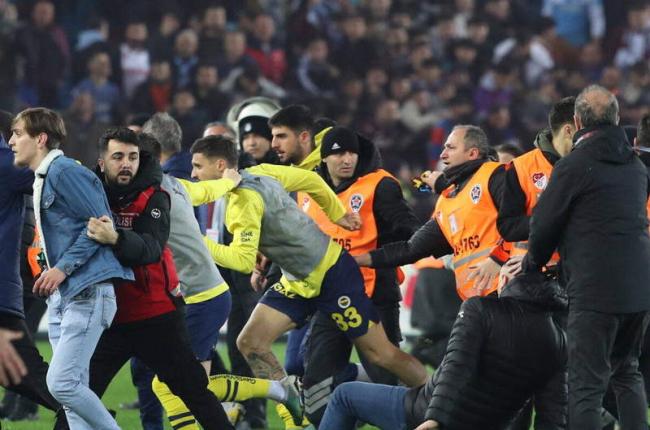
{"points": [[643, 131], [561, 113], [121, 133], [150, 144], [218, 146], [298, 118], [509, 148], [43, 120], [593, 115]]}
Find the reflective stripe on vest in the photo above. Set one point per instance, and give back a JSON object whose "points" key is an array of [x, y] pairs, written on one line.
{"points": [[468, 221], [359, 198], [533, 171]]}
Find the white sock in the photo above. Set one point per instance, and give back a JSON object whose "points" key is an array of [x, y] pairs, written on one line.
{"points": [[362, 375], [277, 392]]}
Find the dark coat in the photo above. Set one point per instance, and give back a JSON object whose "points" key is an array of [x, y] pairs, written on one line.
{"points": [[14, 182], [501, 352], [594, 212]]}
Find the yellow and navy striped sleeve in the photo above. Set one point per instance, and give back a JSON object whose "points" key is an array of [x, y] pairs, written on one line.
{"points": [[294, 179]]}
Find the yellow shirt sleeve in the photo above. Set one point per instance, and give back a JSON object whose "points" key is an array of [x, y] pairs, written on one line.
{"points": [[294, 179], [207, 191], [244, 220]]}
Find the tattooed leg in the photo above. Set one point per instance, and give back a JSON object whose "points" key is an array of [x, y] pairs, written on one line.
{"points": [[264, 326]]}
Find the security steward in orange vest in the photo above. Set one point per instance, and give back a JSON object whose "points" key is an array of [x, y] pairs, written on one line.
{"points": [[527, 176], [351, 165], [464, 221], [525, 179]]}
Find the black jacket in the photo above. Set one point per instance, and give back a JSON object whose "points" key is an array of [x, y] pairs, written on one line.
{"points": [[513, 221], [594, 212], [429, 239], [394, 218], [501, 352], [145, 243]]}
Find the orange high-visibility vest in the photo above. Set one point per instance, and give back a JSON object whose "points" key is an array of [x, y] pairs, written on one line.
{"points": [[468, 220], [359, 198], [533, 171], [33, 252]]}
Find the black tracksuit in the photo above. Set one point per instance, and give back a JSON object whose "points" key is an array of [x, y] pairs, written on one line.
{"points": [[328, 349], [500, 353], [594, 212]]}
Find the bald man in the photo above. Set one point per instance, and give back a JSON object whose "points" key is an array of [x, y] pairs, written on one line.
{"points": [[594, 212]]}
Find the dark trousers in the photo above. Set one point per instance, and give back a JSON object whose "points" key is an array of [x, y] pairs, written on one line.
{"points": [[33, 385], [162, 344], [244, 300], [151, 412], [328, 355], [604, 349]]}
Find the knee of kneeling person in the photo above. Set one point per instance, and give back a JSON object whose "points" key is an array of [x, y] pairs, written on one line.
{"points": [[381, 357]]}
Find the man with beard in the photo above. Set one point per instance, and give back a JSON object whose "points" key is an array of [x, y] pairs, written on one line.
{"points": [[147, 324]]}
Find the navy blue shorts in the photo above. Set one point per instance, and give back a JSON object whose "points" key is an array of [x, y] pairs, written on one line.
{"points": [[342, 297], [203, 320]]}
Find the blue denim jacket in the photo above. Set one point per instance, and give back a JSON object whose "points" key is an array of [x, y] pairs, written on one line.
{"points": [[71, 195]]}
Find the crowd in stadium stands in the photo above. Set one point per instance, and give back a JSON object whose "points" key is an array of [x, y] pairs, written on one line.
{"points": [[401, 72]]}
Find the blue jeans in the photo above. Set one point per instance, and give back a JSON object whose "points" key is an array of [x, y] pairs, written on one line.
{"points": [[75, 326], [379, 405]]}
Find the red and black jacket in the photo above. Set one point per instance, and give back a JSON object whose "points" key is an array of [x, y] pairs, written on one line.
{"points": [[141, 216]]}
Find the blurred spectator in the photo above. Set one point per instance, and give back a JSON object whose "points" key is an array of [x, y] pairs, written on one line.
{"points": [[535, 109], [526, 53], [266, 50], [162, 41], [315, 74], [611, 79], [84, 130], [185, 60], [213, 30], [498, 126], [444, 33], [495, 88], [356, 51], [235, 56], [134, 59], [636, 38], [247, 81], [417, 112], [188, 117], [8, 26], [562, 52], [578, 21], [498, 15], [91, 40], [209, 99], [105, 94], [591, 61], [155, 94], [464, 11], [44, 47]]}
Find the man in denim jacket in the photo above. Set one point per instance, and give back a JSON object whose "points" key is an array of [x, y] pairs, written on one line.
{"points": [[78, 279]]}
